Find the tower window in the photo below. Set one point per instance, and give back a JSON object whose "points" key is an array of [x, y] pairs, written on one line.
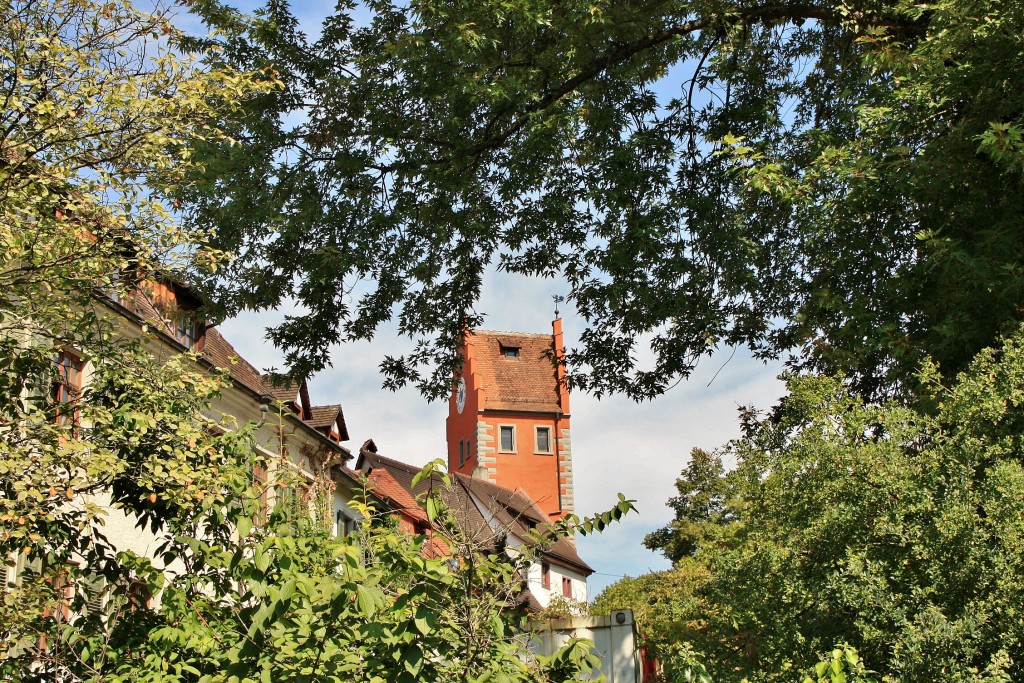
{"points": [[508, 438], [510, 351], [462, 452], [543, 444], [545, 575], [567, 586]]}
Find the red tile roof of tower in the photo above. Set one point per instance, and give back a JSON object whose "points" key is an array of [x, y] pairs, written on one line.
{"points": [[527, 382]]}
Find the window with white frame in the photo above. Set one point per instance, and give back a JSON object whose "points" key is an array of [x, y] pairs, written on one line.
{"points": [[508, 438], [543, 440], [186, 331]]}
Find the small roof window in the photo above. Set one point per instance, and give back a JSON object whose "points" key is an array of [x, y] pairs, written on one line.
{"points": [[510, 351]]}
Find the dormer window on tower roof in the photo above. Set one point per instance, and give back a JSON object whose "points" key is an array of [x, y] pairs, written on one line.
{"points": [[510, 351]]}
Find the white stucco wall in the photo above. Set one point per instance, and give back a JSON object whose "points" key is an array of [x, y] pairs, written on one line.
{"points": [[614, 638], [557, 573]]}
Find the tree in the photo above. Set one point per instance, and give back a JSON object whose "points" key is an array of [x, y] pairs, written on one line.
{"points": [[288, 601], [701, 514], [97, 111], [670, 613], [837, 180], [894, 529]]}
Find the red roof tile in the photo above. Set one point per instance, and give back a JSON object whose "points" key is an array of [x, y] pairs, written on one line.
{"points": [[514, 511], [369, 460], [327, 418], [222, 354], [323, 416], [216, 350], [383, 485], [287, 394], [528, 382]]}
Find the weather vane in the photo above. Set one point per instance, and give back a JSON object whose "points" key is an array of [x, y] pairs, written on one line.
{"points": [[558, 299]]}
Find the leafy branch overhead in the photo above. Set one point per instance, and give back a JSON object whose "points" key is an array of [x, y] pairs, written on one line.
{"points": [[838, 182]]}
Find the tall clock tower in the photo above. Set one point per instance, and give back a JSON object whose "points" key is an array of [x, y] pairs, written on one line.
{"points": [[508, 416]]}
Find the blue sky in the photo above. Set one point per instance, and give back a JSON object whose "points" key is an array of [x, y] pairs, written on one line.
{"points": [[637, 449]]}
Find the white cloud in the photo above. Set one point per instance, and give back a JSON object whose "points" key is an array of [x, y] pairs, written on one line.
{"points": [[639, 449]]}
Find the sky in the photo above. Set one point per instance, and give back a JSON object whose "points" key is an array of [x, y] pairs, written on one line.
{"points": [[637, 449]]}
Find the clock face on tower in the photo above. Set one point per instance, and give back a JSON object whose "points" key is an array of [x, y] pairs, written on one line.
{"points": [[460, 395]]}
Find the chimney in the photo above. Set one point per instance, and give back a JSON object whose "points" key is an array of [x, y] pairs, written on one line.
{"points": [[559, 344]]}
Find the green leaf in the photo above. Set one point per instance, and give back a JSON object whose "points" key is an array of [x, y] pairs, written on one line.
{"points": [[425, 620], [365, 601], [244, 526]]}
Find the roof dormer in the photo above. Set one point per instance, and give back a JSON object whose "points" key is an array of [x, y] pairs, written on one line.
{"points": [[330, 421], [174, 307]]}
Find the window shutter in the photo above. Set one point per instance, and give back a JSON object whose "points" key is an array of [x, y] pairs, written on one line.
{"points": [[95, 595]]}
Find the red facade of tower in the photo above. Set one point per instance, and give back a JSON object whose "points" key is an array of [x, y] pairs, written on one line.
{"points": [[508, 417]]}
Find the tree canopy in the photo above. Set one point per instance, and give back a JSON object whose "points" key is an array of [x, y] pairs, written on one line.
{"points": [[97, 109], [896, 530], [700, 508], [841, 181]]}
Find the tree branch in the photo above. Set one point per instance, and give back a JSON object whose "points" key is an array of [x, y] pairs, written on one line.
{"points": [[623, 52]]}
